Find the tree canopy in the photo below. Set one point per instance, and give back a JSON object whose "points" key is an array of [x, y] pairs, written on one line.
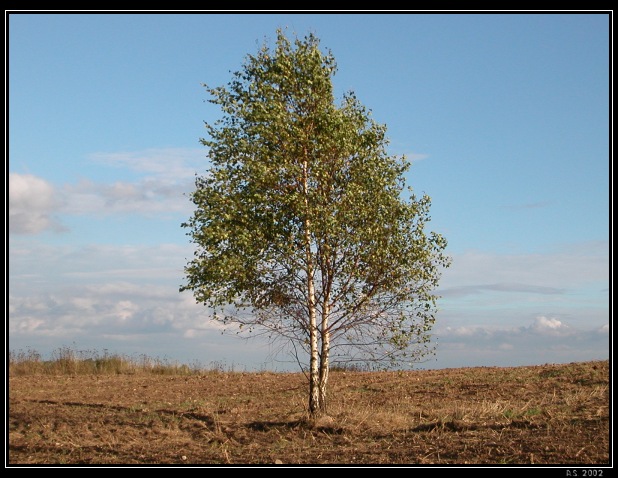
{"points": [[303, 225]]}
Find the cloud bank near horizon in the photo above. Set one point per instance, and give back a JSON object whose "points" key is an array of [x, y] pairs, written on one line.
{"points": [[544, 340], [127, 298]]}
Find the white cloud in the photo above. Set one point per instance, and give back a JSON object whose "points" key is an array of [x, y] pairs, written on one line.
{"points": [[506, 289], [132, 318], [32, 204], [44, 267], [506, 346], [28, 325], [125, 309], [164, 179], [541, 326], [548, 325], [101, 289], [461, 291], [147, 196], [415, 157], [465, 331], [170, 163], [114, 308], [544, 340]]}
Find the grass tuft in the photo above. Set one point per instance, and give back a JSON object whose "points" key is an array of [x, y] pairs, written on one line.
{"points": [[72, 361]]}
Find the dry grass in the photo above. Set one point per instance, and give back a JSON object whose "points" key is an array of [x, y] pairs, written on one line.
{"points": [[550, 414], [72, 361]]}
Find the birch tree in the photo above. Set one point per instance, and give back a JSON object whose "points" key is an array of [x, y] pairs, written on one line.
{"points": [[304, 228]]}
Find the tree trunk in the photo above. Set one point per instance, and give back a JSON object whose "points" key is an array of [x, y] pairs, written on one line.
{"points": [[324, 363], [314, 370]]}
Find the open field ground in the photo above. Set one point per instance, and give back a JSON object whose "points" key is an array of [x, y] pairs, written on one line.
{"points": [[549, 414]]}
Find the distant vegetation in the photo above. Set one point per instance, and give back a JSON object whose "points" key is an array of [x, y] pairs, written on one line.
{"points": [[71, 361], [68, 360]]}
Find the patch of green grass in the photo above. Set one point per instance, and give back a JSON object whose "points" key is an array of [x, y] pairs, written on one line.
{"points": [[513, 414]]}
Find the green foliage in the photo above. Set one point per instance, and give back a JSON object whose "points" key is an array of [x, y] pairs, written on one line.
{"points": [[303, 210]]}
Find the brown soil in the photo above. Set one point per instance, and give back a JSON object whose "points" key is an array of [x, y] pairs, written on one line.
{"points": [[550, 414]]}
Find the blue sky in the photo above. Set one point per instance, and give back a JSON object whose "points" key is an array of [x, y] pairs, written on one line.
{"points": [[505, 117]]}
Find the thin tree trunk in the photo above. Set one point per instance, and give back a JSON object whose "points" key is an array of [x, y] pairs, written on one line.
{"points": [[324, 363], [314, 370]]}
